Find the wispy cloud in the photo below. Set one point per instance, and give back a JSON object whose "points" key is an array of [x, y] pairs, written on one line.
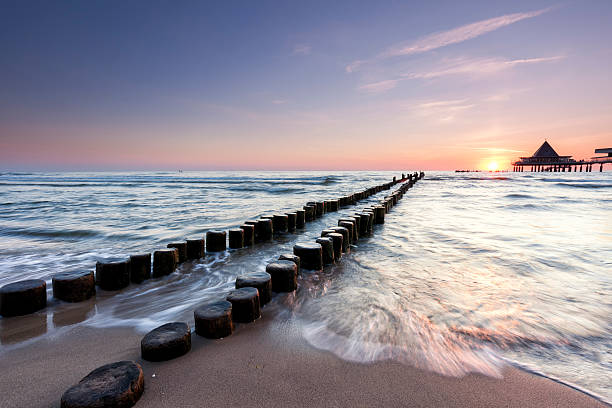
{"points": [[457, 66], [478, 66], [495, 149], [279, 101], [453, 36], [437, 104], [301, 49], [505, 95], [380, 86], [445, 110], [459, 34], [353, 66]]}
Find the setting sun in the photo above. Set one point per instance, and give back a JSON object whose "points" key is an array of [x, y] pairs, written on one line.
{"points": [[492, 166]]}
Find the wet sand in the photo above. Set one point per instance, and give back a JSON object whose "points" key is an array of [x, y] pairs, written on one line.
{"points": [[266, 363]]}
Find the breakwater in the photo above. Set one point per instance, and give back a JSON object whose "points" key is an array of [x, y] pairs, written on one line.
{"points": [[122, 383], [27, 296]]}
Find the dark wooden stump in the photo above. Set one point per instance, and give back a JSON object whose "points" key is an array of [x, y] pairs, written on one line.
{"points": [[214, 321], [216, 241], [365, 223], [310, 211], [245, 304], [74, 286], [117, 385], [113, 275], [166, 342], [236, 238], [284, 275], [355, 222], [293, 258], [326, 232], [261, 281], [182, 250], [372, 215], [311, 256], [327, 250], [291, 221], [249, 234], [331, 205], [346, 238], [320, 208], [264, 230], [280, 222], [164, 262], [337, 241], [350, 226], [195, 248], [300, 220], [140, 267], [24, 297], [380, 214], [358, 227]]}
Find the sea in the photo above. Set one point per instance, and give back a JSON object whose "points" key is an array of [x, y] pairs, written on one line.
{"points": [[469, 272]]}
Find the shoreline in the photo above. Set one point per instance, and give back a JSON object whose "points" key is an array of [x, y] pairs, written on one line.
{"points": [[266, 363]]}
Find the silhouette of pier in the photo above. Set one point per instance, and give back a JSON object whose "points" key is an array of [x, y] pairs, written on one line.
{"points": [[547, 159]]}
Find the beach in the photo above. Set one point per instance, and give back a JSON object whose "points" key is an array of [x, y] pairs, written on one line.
{"points": [[265, 363]]}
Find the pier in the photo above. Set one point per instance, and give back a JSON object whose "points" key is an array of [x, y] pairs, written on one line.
{"points": [[547, 159]]}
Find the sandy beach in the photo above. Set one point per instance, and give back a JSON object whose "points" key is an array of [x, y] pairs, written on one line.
{"points": [[266, 363]]}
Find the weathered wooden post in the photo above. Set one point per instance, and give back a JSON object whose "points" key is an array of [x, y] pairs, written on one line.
{"points": [[311, 256], [23, 297], [76, 286], [216, 241]]}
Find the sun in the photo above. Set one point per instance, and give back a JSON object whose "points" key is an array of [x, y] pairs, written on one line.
{"points": [[493, 166]]}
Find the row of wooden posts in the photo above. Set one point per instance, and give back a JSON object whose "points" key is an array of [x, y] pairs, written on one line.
{"points": [[588, 167], [122, 383], [28, 296]]}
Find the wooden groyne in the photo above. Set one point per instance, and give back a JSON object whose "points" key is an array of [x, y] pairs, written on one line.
{"points": [[121, 384], [24, 297], [243, 305]]}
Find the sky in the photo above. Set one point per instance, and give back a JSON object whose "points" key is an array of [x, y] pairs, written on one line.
{"points": [[295, 85]]}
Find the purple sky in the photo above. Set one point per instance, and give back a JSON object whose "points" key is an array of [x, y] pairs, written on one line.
{"points": [[104, 85]]}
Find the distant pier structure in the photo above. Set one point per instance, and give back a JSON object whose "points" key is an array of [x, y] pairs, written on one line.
{"points": [[547, 159]]}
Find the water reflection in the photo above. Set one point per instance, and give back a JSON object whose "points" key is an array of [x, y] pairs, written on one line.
{"points": [[18, 329]]}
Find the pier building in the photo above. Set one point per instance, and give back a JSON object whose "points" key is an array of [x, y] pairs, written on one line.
{"points": [[547, 159]]}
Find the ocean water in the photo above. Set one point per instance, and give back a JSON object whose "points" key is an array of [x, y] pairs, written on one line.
{"points": [[470, 271]]}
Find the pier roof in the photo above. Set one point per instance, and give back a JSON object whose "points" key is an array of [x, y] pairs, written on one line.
{"points": [[545, 150], [604, 150], [545, 155]]}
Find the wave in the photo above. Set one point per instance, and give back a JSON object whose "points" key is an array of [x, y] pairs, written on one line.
{"points": [[505, 339], [271, 190], [585, 185], [518, 196], [530, 369], [44, 233], [434, 355], [526, 206]]}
